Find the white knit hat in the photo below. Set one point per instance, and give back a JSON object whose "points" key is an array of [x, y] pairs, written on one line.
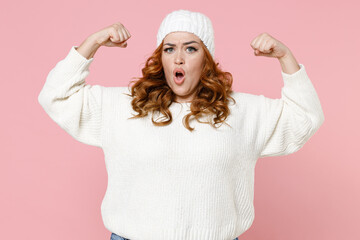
{"points": [[194, 22]]}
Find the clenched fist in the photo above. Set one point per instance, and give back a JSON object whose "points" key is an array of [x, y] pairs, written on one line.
{"points": [[266, 45], [114, 35]]}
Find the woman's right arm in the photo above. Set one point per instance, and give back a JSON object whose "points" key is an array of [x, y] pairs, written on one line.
{"points": [[69, 101]]}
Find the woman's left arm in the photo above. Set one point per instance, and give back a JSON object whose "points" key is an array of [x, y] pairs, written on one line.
{"points": [[288, 122]]}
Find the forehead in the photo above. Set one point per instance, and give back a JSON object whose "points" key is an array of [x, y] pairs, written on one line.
{"points": [[180, 37]]}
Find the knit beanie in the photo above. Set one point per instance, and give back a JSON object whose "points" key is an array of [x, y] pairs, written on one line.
{"points": [[187, 21]]}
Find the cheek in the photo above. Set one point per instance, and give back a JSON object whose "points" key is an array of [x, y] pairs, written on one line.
{"points": [[197, 68], [166, 67], [168, 73]]}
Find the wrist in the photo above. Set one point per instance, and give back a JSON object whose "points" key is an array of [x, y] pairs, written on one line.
{"points": [[88, 47], [92, 41], [289, 64], [286, 56]]}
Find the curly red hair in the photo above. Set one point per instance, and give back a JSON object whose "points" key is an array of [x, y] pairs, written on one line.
{"points": [[151, 92]]}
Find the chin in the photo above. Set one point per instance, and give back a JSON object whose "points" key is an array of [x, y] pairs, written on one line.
{"points": [[178, 92]]}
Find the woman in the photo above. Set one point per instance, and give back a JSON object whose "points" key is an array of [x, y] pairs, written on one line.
{"points": [[168, 180]]}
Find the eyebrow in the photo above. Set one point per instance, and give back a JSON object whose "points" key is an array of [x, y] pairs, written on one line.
{"points": [[187, 43]]}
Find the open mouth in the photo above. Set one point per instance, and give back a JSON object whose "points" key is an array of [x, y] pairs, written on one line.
{"points": [[179, 73], [179, 76]]}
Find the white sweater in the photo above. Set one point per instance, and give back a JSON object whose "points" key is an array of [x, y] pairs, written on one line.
{"points": [[167, 183]]}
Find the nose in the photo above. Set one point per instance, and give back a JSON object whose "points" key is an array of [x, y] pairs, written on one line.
{"points": [[179, 59]]}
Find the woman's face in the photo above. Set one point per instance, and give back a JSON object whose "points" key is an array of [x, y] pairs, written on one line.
{"points": [[182, 52]]}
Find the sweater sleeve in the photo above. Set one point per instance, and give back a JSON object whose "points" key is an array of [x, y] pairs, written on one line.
{"points": [[74, 105], [291, 120]]}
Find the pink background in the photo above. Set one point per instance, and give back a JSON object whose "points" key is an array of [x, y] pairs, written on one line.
{"points": [[52, 186]]}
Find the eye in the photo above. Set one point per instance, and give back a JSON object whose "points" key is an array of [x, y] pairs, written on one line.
{"points": [[193, 49], [166, 49]]}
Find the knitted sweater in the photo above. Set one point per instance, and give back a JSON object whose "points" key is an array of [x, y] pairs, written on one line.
{"points": [[167, 183]]}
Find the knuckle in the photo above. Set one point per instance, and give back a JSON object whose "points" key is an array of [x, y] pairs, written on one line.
{"points": [[117, 25], [115, 34]]}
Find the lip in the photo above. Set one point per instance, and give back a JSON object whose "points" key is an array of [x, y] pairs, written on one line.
{"points": [[178, 70], [179, 82]]}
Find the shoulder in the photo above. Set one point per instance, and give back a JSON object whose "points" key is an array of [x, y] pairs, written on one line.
{"points": [[116, 91], [115, 95], [247, 99], [257, 105]]}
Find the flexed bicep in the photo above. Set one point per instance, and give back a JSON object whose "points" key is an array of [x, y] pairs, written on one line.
{"points": [[291, 120], [74, 105]]}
